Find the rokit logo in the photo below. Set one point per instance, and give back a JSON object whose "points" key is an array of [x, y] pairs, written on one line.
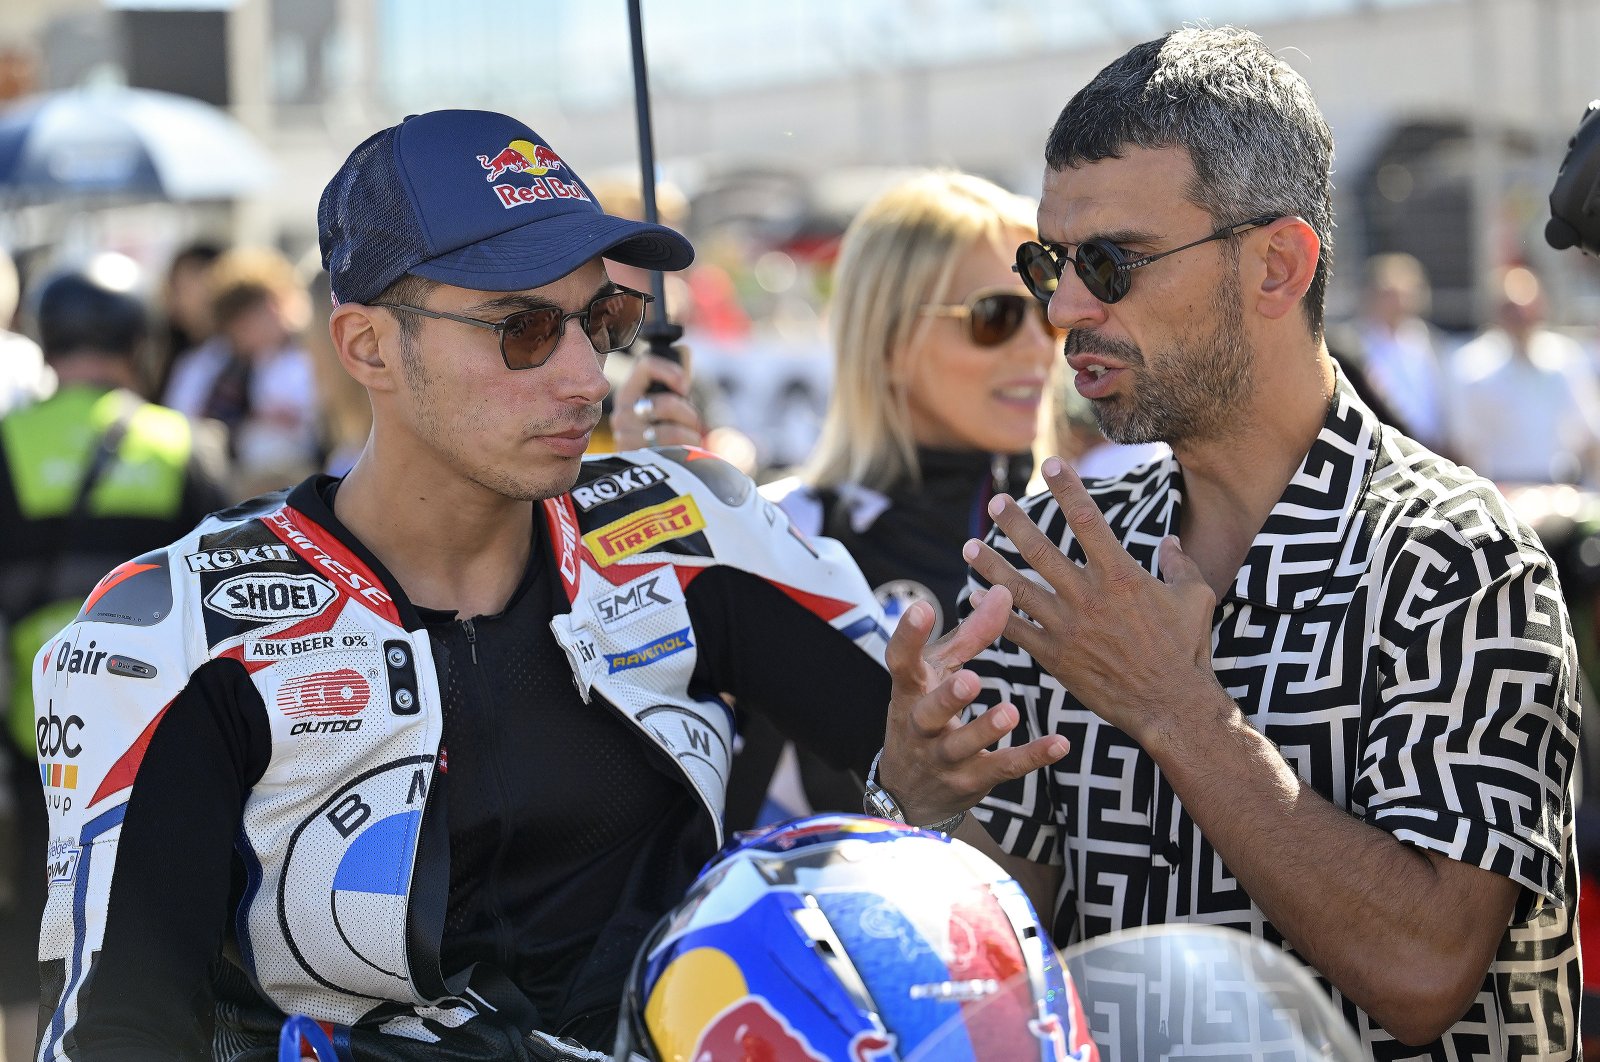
{"points": [[219, 560], [617, 485], [638, 599], [271, 597], [325, 701]]}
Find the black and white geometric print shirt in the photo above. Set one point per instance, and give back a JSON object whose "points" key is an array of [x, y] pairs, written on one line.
{"points": [[1401, 638]]}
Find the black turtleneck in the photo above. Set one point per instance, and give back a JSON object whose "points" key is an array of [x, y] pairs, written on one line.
{"points": [[917, 538]]}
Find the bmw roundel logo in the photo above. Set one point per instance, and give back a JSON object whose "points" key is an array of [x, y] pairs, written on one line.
{"points": [[897, 595]]}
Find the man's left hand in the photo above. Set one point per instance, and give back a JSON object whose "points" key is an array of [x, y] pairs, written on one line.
{"points": [[1131, 647]]}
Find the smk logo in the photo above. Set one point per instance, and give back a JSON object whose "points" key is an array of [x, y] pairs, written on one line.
{"points": [[674, 643], [636, 600], [325, 701], [521, 156], [271, 597], [617, 485], [219, 560], [648, 527]]}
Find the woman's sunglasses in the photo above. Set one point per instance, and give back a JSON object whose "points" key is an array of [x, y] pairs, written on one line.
{"points": [[528, 337], [993, 316], [1102, 266]]}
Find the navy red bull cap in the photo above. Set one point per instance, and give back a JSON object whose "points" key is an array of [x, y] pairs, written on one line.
{"points": [[475, 199]]}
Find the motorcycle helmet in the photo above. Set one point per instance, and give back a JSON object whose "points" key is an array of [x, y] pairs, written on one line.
{"points": [[843, 937]]}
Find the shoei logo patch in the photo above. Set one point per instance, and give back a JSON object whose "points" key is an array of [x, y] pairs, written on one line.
{"points": [[648, 527], [271, 597], [674, 643]]}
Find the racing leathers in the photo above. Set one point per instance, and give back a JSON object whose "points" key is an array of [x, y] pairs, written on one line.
{"points": [[907, 543], [282, 788]]}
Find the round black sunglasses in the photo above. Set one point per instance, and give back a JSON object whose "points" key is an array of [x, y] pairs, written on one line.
{"points": [[1104, 268], [528, 337]]}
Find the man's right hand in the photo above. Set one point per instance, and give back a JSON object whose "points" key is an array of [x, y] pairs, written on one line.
{"points": [[933, 765]]}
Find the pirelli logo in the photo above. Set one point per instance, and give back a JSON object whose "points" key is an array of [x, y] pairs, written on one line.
{"points": [[641, 530]]}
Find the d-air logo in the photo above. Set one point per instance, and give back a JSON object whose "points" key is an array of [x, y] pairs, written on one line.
{"points": [[219, 560], [329, 698], [271, 597], [674, 643], [648, 527], [617, 485], [81, 661], [636, 600]]}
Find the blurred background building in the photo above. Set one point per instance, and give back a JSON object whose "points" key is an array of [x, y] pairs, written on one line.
{"points": [[777, 120]]}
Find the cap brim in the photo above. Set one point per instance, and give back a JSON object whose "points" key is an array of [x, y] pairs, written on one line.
{"points": [[544, 251]]}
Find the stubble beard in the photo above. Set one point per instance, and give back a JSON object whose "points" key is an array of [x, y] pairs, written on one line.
{"points": [[1197, 392], [454, 446]]}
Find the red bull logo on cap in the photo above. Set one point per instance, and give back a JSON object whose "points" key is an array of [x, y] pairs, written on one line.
{"points": [[521, 156]]}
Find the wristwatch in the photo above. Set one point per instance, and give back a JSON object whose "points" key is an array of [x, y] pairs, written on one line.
{"points": [[879, 802]]}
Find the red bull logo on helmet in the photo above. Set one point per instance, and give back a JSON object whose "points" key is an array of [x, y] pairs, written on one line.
{"points": [[751, 1031], [521, 156]]}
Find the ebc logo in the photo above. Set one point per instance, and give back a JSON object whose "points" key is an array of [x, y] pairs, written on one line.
{"points": [[661, 648], [648, 527], [638, 599], [617, 485], [220, 560], [271, 597]]}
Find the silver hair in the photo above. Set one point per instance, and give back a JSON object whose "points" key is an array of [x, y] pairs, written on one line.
{"points": [[1257, 141]]}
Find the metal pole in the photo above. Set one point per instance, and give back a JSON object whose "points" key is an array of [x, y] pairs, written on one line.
{"points": [[660, 332]]}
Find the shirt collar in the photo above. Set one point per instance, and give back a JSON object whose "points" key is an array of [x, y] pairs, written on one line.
{"points": [[1308, 532]]}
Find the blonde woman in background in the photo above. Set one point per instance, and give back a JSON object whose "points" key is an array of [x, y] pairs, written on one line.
{"points": [[941, 360]]}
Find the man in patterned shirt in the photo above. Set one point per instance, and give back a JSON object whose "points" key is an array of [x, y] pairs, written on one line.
{"points": [[1340, 716]]}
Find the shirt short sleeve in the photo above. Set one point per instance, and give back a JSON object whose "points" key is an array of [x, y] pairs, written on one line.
{"points": [[1470, 747]]}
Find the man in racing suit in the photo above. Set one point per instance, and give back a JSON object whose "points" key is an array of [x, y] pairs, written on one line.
{"points": [[424, 752]]}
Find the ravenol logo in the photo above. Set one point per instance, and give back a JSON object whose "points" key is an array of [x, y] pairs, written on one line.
{"points": [[648, 527], [676, 642]]}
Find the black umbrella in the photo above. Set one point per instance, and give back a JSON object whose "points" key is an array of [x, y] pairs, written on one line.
{"points": [[124, 143], [658, 331]]}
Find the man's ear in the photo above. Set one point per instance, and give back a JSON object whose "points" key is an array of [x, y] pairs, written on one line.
{"points": [[362, 337], [1286, 261]]}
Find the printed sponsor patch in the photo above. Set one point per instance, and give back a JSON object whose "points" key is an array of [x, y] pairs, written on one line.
{"points": [[642, 530], [325, 693], [62, 861], [274, 649], [271, 597], [661, 648], [616, 485], [638, 600], [218, 560]]}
